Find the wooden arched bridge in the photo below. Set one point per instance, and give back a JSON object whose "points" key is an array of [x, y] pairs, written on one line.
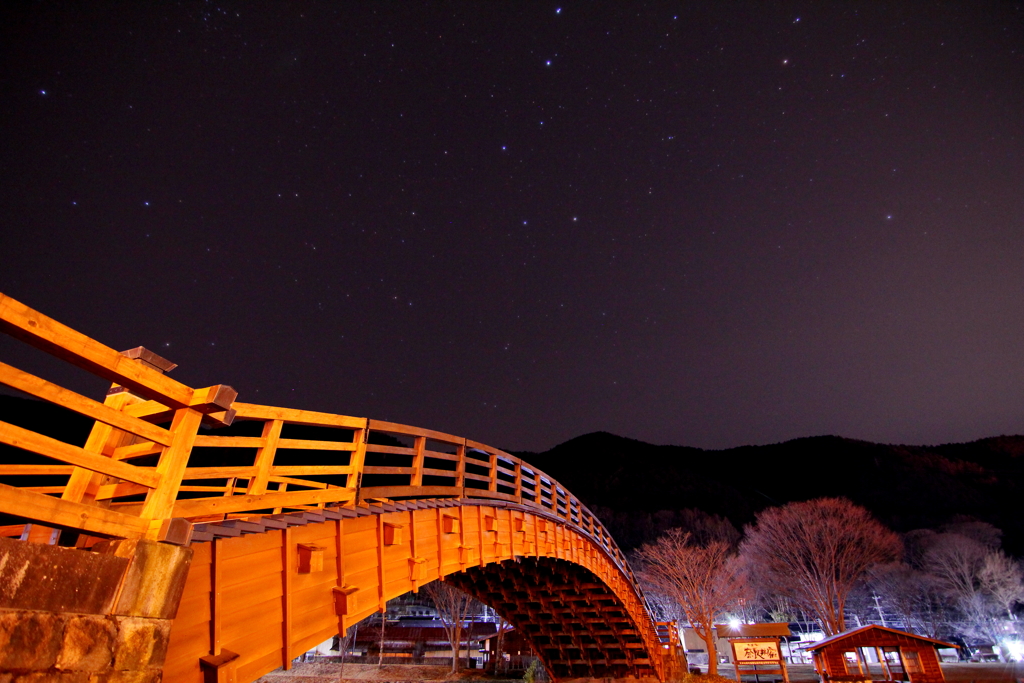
{"points": [[195, 537]]}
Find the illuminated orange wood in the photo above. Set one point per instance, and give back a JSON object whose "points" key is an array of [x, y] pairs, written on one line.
{"points": [[271, 586]]}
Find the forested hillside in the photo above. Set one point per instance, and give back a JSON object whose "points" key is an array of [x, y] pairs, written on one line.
{"points": [[641, 489]]}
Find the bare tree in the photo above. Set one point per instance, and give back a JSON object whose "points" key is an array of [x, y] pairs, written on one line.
{"points": [[383, 625], [1002, 581], [910, 594], [955, 560], [816, 552], [453, 606], [345, 644], [498, 661], [702, 579]]}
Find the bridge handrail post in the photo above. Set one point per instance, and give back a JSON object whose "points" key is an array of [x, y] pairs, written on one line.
{"points": [[358, 460], [518, 480]]}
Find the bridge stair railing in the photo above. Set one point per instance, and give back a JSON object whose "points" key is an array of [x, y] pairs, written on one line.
{"points": [[102, 469]]}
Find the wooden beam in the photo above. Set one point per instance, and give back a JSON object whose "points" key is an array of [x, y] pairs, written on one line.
{"points": [[460, 468], [136, 450], [28, 470], [395, 428], [47, 391], [197, 507], [439, 519], [265, 457], [358, 459], [251, 411], [216, 401], [214, 441], [216, 595], [43, 332], [287, 562], [339, 565], [173, 461], [108, 491], [65, 513], [308, 470], [241, 471], [381, 599], [311, 445], [84, 485], [417, 462], [58, 450], [309, 483], [396, 491]]}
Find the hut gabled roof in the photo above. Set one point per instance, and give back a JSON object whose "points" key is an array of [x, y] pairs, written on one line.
{"points": [[852, 632]]}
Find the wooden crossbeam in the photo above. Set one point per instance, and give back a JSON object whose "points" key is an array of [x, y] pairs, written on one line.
{"points": [[43, 332], [64, 513], [206, 506], [58, 450], [47, 391]]}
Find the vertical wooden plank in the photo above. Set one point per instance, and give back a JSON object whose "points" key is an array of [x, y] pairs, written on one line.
{"points": [[339, 546], [480, 531], [216, 590], [536, 535], [286, 597], [265, 457], [460, 470], [159, 503], [519, 481], [282, 487], [492, 484], [412, 548], [358, 459], [462, 535], [417, 461], [440, 543], [339, 565], [381, 601], [102, 440]]}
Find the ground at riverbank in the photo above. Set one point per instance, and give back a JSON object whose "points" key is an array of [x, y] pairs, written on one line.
{"points": [[322, 672]]}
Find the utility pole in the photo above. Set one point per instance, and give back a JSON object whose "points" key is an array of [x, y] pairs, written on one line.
{"points": [[878, 606]]}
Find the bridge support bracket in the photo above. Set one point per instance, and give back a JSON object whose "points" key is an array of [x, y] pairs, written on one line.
{"points": [[344, 600], [222, 668]]}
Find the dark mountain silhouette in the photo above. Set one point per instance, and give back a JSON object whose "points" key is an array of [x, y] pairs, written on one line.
{"points": [[907, 487]]}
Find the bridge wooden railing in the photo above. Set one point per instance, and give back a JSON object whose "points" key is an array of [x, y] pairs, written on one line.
{"points": [[141, 474]]}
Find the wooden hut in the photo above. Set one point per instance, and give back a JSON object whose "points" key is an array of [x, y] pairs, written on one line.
{"points": [[898, 656]]}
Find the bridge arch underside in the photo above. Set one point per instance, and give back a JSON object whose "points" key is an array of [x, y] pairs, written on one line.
{"points": [[271, 587], [573, 620]]}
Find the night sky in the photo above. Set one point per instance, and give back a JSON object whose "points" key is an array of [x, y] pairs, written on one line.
{"points": [[705, 224]]}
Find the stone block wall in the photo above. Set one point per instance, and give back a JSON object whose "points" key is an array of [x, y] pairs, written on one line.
{"points": [[88, 616]]}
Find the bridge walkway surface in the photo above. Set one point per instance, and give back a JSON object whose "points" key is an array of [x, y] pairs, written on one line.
{"points": [[195, 537]]}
